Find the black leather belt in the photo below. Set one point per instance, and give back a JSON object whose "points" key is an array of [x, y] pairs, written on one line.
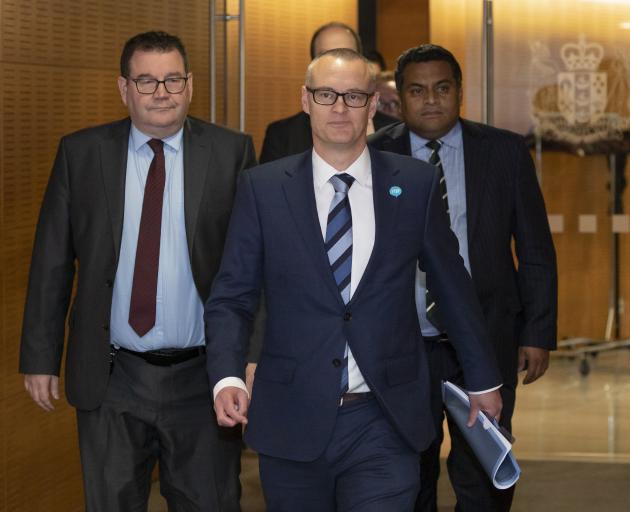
{"points": [[351, 397], [439, 338], [167, 357]]}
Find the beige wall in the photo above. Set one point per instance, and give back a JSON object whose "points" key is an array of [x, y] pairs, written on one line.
{"points": [[401, 24]]}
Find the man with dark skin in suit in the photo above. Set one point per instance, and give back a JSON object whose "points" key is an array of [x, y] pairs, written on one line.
{"points": [[137, 209], [493, 200]]}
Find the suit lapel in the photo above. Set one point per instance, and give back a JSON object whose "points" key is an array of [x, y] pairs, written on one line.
{"points": [[196, 163], [114, 170], [399, 140], [385, 213], [475, 165], [300, 195]]}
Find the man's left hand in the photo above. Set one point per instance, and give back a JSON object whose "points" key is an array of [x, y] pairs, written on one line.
{"points": [[490, 403], [231, 406], [535, 360]]}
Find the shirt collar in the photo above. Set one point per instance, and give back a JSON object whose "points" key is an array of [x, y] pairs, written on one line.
{"points": [[360, 169], [138, 139], [452, 139]]}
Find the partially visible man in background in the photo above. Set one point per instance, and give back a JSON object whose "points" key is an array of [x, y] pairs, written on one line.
{"points": [[138, 209], [388, 100], [293, 134]]}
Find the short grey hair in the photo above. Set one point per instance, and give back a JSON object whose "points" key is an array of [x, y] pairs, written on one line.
{"points": [[344, 54]]}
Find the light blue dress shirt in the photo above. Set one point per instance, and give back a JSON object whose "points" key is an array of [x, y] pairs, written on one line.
{"points": [[179, 310], [452, 157]]}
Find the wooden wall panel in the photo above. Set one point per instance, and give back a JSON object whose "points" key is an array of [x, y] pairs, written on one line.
{"points": [[573, 186], [401, 24], [59, 62]]}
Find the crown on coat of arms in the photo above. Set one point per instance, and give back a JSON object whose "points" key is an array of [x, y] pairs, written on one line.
{"points": [[582, 56]]}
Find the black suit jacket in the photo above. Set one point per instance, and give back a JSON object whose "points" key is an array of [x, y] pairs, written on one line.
{"points": [[80, 229], [292, 135], [504, 205]]}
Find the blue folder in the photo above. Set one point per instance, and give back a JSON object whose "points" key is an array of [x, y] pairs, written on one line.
{"points": [[492, 449]]}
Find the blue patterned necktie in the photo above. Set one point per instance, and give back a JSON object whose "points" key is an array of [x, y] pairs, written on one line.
{"points": [[432, 309], [339, 247]]}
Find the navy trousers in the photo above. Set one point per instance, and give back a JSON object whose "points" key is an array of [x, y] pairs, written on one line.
{"points": [[366, 467]]}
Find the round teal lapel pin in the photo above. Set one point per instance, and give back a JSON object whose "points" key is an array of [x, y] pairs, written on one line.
{"points": [[395, 191]]}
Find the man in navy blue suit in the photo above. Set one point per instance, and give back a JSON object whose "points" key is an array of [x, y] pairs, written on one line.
{"points": [[340, 407]]}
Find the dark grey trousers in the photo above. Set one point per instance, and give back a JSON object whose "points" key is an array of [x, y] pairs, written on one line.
{"points": [[164, 414]]}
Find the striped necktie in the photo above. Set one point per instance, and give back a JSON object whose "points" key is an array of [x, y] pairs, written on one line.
{"points": [[432, 308], [339, 247]]}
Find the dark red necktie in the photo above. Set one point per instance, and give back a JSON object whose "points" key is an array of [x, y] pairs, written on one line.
{"points": [[145, 272]]}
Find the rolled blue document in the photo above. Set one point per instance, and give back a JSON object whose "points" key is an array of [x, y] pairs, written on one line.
{"points": [[492, 449]]}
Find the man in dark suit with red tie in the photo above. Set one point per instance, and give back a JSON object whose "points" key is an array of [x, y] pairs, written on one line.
{"points": [[493, 198], [137, 210]]}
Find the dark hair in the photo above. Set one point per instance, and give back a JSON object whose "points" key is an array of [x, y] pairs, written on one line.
{"points": [[151, 41], [426, 53], [376, 56], [335, 24]]}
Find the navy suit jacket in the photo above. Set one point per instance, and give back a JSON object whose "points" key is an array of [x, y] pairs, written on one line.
{"points": [[274, 241], [504, 205]]}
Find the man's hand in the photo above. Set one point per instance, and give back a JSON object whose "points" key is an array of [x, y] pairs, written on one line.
{"points": [[490, 403], [250, 371], [535, 360], [231, 406], [41, 387]]}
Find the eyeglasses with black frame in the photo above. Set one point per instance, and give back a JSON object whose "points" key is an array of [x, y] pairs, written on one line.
{"points": [[173, 84], [353, 99]]}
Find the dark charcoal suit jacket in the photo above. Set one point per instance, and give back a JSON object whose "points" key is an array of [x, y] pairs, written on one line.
{"points": [[275, 242], [504, 204], [292, 135], [80, 229]]}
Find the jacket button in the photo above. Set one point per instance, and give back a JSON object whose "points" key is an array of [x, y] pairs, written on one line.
{"points": [[106, 327], [109, 283], [336, 363], [347, 316]]}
